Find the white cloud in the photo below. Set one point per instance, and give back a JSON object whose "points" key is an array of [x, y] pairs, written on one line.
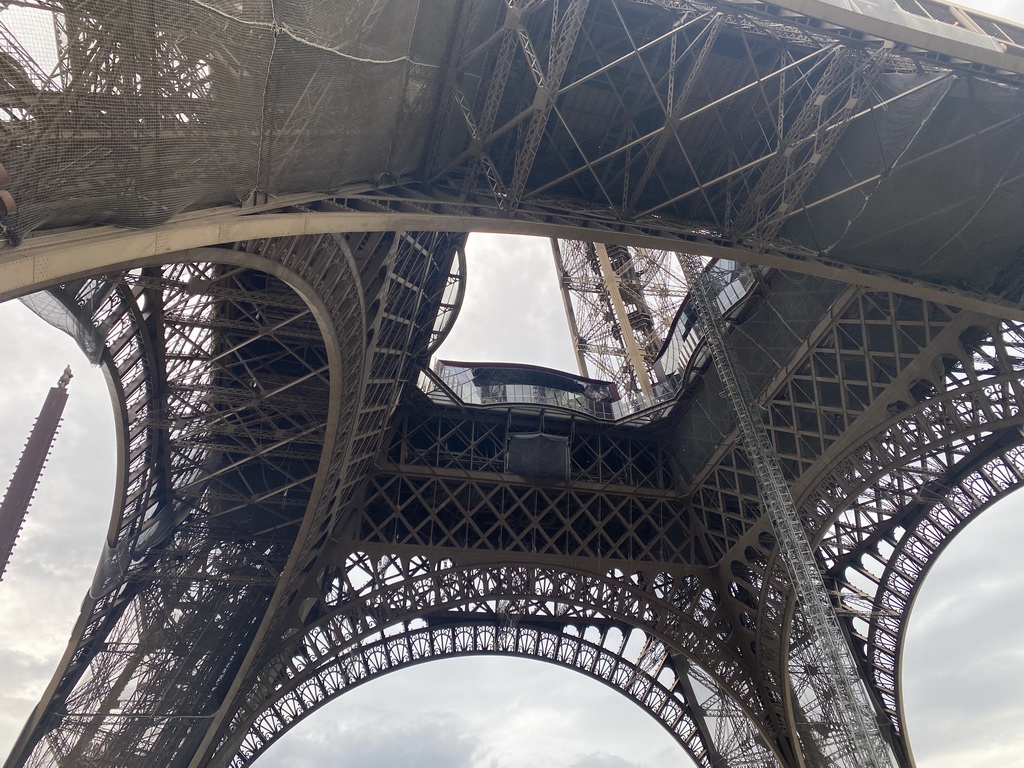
{"points": [[491, 712], [53, 561], [1007, 9], [964, 657], [964, 660], [513, 308]]}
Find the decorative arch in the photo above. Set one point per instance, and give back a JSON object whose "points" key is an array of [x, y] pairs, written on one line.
{"points": [[369, 600], [359, 376], [883, 516], [57, 258], [174, 334], [974, 391], [654, 689]]}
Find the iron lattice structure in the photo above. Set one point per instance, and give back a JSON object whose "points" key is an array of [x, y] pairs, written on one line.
{"points": [[621, 304], [253, 214]]}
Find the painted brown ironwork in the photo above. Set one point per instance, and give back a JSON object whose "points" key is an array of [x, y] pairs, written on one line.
{"points": [[399, 593], [293, 517]]}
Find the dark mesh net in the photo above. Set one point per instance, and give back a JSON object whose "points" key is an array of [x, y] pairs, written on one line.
{"points": [[69, 308], [539, 455], [129, 113]]}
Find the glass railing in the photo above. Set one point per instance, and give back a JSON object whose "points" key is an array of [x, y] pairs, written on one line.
{"points": [[507, 384], [501, 383]]}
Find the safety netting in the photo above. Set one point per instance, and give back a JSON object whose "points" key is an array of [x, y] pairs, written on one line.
{"points": [[930, 184], [70, 308], [127, 113]]}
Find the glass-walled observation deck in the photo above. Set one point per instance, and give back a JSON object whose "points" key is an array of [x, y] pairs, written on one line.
{"points": [[510, 384]]}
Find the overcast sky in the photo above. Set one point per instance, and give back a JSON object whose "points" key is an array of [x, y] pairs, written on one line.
{"points": [[964, 659]]}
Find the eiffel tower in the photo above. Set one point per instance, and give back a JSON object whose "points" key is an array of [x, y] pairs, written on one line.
{"points": [[253, 214]]}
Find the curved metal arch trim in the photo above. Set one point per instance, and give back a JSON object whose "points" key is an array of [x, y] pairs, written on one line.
{"points": [[892, 603], [992, 415], [913, 450], [886, 591], [322, 316], [52, 259], [458, 275], [669, 709], [116, 388], [909, 451], [305, 291], [427, 594]]}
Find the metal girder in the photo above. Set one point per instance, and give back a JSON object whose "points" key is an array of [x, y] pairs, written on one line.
{"points": [[564, 29], [621, 304], [54, 259], [951, 446], [677, 102], [882, 428], [853, 716], [101, 702], [896, 422], [963, 41], [398, 330], [807, 143]]}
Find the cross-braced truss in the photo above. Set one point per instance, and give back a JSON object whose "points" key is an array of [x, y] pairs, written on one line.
{"points": [[225, 383], [223, 377], [373, 607], [621, 304], [293, 518]]}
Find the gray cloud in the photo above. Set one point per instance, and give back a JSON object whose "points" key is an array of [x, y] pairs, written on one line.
{"points": [[602, 760], [24, 678], [61, 539], [964, 658], [496, 713], [374, 740], [513, 308]]}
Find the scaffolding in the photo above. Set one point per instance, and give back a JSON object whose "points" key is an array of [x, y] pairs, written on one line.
{"points": [[858, 726]]}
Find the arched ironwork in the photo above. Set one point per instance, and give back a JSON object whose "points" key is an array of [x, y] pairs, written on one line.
{"points": [[371, 604], [653, 687]]}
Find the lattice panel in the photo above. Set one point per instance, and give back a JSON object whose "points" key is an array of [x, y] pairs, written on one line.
{"points": [[969, 395], [502, 516], [855, 362], [897, 499], [879, 595], [224, 374], [477, 442]]}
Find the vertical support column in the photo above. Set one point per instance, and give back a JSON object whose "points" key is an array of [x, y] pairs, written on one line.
{"points": [[634, 354], [570, 313], [865, 746], [620, 305]]}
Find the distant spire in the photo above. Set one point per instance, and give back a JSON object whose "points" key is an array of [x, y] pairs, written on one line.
{"points": [[15, 504]]}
